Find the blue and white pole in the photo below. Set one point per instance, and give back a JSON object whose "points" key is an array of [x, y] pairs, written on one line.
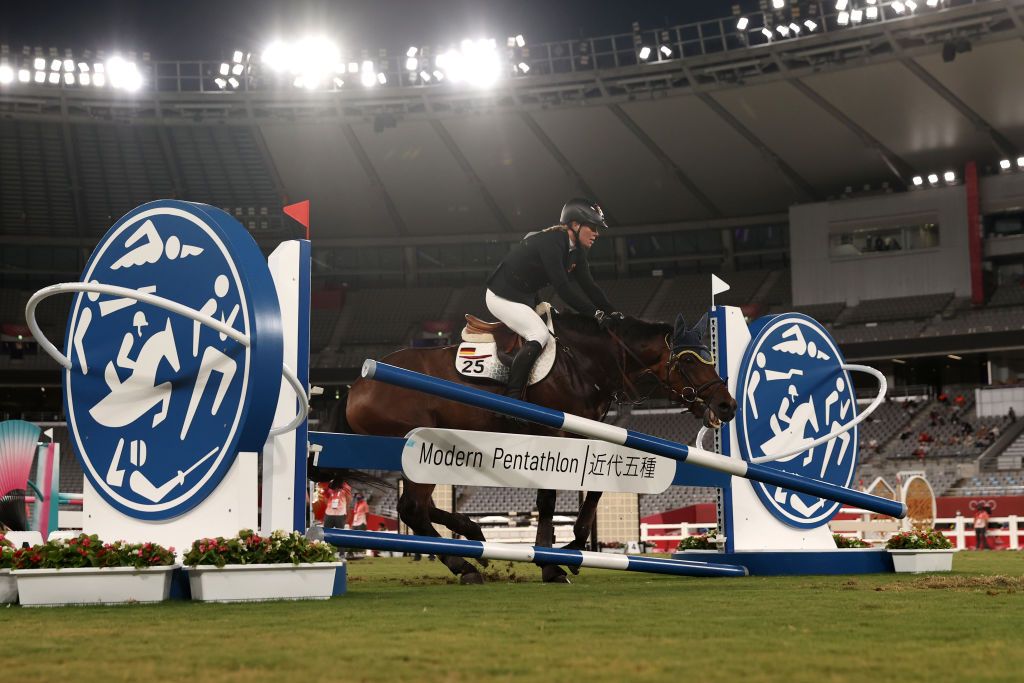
{"points": [[582, 426], [376, 540]]}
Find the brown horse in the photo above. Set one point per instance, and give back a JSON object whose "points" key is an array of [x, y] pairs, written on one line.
{"points": [[631, 360]]}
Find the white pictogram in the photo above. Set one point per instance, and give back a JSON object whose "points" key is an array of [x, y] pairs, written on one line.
{"points": [[153, 248], [139, 482], [133, 397]]}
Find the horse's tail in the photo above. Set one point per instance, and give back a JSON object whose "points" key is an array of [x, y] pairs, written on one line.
{"points": [[337, 422]]}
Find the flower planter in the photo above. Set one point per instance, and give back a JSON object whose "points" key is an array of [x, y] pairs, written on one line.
{"points": [[247, 582], [614, 551], [8, 587], [917, 561], [93, 586]]}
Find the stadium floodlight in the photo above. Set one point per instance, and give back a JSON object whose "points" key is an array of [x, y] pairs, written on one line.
{"points": [[742, 24], [83, 67], [353, 67], [871, 2], [843, 19], [424, 76], [520, 41], [69, 65], [524, 67], [1005, 164], [224, 68], [856, 16], [382, 78], [783, 30], [438, 75], [85, 79], [55, 65], [871, 13], [6, 74], [918, 181], [645, 53], [475, 62], [276, 56], [1020, 162], [898, 7], [24, 76], [932, 3], [933, 179], [124, 75], [767, 33], [338, 82], [665, 50], [411, 64], [949, 177], [237, 57], [911, 6], [298, 82], [778, 4], [99, 80], [795, 28], [69, 78], [233, 82], [411, 52], [53, 78], [39, 64], [842, 5], [221, 83], [367, 75], [99, 67], [811, 26], [237, 69], [40, 77]]}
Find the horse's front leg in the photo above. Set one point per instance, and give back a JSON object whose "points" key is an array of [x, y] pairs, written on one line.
{"points": [[459, 524], [551, 573], [585, 521], [414, 509]]}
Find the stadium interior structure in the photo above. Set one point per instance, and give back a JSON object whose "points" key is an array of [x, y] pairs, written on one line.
{"points": [[868, 173]]}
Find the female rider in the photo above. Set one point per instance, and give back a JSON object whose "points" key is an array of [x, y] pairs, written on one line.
{"points": [[550, 256]]}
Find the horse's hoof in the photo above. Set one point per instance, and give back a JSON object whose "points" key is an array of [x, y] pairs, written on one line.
{"points": [[561, 578], [483, 562], [553, 574], [471, 578]]}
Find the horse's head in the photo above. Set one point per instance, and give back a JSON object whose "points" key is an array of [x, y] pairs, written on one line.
{"points": [[692, 375]]}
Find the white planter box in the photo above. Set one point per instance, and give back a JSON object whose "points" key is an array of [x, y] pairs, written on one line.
{"points": [[245, 582], [8, 587], [917, 561], [93, 586]]}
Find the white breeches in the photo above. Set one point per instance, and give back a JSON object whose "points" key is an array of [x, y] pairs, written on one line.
{"points": [[520, 318]]}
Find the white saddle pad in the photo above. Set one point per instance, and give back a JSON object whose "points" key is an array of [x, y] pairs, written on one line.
{"points": [[478, 354]]}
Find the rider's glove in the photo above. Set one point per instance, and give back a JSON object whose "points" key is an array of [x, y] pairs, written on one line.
{"points": [[600, 317], [616, 316]]}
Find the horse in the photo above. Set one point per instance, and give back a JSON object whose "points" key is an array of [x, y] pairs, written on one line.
{"points": [[628, 360]]}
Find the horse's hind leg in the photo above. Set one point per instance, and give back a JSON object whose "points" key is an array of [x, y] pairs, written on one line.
{"points": [[414, 509], [459, 524], [550, 573]]}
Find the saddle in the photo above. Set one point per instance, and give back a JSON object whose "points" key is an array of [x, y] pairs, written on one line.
{"points": [[479, 331], [487, 349]]}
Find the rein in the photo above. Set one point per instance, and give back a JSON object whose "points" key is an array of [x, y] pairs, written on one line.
{"points": [[689, 394]]}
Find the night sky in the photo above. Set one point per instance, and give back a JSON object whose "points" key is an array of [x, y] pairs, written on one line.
{"points": [[191, 29]]}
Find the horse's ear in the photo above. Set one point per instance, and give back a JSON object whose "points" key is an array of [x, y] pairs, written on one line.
{"points": [[680, 324], [701, 327]]}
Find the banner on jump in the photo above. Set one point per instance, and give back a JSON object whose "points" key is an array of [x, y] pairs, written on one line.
{"points": [[468, 458]]}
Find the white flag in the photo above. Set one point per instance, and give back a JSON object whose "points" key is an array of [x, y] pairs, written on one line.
{"points": [[718, 285]]}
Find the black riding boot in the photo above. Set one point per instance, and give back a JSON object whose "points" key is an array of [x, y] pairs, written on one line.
{"points": [[519, 373]]}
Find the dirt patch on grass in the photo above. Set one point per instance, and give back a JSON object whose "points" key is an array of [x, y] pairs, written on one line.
{"points": [[993, 585]]}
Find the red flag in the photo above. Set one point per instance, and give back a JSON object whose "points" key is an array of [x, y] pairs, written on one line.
{"points": [[300, 212]]}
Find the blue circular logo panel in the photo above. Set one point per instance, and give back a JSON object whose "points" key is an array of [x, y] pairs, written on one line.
{"points": [[793, 389], [158, 404]]}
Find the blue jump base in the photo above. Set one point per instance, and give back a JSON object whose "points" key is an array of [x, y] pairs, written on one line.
{"points": [[801, 562]]}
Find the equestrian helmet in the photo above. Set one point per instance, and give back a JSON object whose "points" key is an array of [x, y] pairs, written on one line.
{"points": [[584, 212]]}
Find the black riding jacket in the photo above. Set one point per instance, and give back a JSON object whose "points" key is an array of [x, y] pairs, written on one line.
{"points": [[544, 258]]}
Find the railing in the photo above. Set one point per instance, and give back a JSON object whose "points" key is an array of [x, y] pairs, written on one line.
{"points": [[875, 531]]}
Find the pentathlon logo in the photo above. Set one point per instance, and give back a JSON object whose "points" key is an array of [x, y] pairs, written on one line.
{"points": [[792, 389], [157, 403]]}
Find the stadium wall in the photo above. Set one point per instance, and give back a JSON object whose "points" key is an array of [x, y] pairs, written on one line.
{"points": [[819, 277]]}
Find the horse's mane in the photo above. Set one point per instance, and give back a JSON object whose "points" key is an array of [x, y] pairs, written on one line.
{"points": [[630, 330]]}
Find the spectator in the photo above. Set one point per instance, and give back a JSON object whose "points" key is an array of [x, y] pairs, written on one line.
{"points": [[981, 528], [959, 400], [359, 513], [1011, 415], [943, 397]]}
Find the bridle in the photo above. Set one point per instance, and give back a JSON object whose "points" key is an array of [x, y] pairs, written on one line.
{"points": [[689, 394]]}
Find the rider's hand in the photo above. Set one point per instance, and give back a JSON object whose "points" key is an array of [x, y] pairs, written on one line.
{"points": [[616, 316], [601, 318]]}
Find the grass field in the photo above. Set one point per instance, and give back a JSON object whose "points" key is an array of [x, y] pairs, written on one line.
{"points": [[405, 621]]}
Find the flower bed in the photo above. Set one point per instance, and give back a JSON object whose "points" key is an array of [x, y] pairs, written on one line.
{"points": [[849, 542], [8, 584], [282, 566], [85, 570], [921, 550], [705, 541]]}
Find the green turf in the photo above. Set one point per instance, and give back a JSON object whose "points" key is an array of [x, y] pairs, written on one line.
{"points": [[404, 621]]}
